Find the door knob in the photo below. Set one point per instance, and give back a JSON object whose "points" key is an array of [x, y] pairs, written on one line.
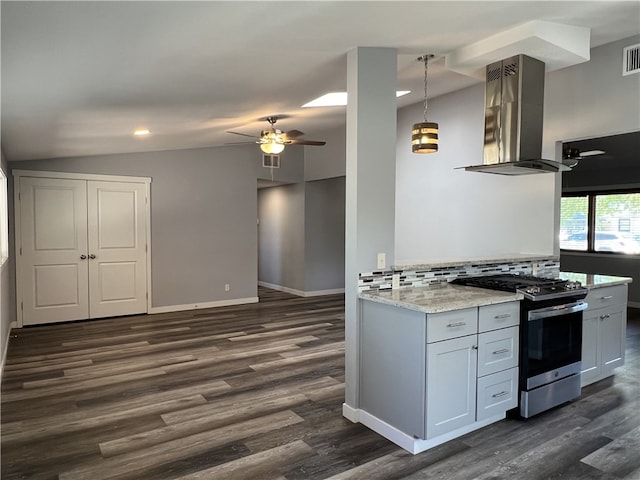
{"points": [[83, 257], [92, 256]]}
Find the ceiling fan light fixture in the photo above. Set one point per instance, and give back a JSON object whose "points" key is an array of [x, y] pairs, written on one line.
{"points": [[424, 135], [272, 147]]}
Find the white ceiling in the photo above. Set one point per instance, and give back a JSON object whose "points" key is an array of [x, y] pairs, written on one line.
{"points": [[79, 77]]}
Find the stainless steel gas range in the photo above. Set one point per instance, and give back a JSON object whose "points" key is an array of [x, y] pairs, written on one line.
{"points": [[550, 337]]}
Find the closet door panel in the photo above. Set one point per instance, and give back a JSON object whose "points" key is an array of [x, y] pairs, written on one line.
{"points": [[54, 274], [117, 248]]}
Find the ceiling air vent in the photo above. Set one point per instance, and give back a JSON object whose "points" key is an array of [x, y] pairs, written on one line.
{"points": [[631, 59], [271, 161]]}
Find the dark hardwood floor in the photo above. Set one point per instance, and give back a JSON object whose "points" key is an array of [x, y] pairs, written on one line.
{"points": [[256, 392]]}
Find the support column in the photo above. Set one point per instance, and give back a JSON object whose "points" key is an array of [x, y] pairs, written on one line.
{"points": [[370, 187]]}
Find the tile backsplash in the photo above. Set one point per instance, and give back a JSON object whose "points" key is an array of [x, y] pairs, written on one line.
{"points": [[421, 276]]}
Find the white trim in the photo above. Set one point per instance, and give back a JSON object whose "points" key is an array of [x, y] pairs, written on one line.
{"points": [[350, 413], [417, 445], [196, 306], [80, 176], [634, 304], [3, 360], [301, 293]]}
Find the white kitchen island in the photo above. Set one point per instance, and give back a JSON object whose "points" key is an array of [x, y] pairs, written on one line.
{"points": [[439, 361], [436, 362]]}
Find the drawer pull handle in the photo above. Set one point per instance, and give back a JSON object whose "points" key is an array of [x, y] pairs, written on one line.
{"points": [[608, 297], [605, 316], [457, 324], [501, 394], [504, 315], [503, 350]]}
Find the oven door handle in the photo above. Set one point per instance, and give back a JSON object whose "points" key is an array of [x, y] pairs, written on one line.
{"points": [[557, 310]]}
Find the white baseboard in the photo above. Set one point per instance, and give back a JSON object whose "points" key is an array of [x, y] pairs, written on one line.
{"points": [[301, 293], [12, 325], [408, 442], [196, 306], [634, 304], [350, 413]]}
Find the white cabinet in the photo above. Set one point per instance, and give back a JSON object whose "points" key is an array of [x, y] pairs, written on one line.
{"points": [[436, 375], [451, 384], [603, 332], [472, 366]]}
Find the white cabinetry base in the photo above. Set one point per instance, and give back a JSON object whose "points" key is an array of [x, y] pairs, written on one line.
{"points": [[411, 444]]}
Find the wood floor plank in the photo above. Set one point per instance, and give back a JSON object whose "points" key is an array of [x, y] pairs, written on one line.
{"points": [[132, 465], [263, 465], [213, 418], [620, 457]]}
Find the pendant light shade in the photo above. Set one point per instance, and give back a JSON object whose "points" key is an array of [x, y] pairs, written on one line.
{"points": [[424, 135]]}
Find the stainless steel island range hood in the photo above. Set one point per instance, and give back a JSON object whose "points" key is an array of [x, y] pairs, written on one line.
{"points": [[513, 114]]}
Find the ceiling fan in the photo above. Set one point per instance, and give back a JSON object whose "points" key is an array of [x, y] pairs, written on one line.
{"points": [[273, 141], [571, 156]]}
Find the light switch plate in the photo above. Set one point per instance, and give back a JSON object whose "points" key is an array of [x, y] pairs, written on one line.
{"points": [[395, 281], [382, 260]]}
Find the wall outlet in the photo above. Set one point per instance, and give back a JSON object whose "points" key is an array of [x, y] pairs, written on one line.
{"points": [[227, 287], [382, 260], [395, 281]]}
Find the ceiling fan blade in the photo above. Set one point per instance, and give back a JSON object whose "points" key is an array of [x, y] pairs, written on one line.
{"points": [[243, 134], [240, 143], [307, 142], [293, 133], [591, 153]]}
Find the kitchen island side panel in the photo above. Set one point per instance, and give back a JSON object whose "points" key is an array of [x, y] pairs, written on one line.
{"points": [[392, 365]]}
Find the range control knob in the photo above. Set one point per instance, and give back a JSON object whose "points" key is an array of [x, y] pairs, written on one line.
{"points": [[533, 290], [573, 285]]}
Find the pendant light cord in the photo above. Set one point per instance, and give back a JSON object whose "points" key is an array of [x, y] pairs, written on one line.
{"points": [[426, 82]]}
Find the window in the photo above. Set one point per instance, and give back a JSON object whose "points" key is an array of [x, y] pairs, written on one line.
{"points": [[601, 222], [4, 219]]}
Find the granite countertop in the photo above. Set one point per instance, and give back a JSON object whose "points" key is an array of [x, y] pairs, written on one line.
{"points": [[438, 298], [591, 280]]}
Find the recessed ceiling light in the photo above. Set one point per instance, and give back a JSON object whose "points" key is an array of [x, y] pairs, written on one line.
{"points": [[141, 132], [339, 99]]}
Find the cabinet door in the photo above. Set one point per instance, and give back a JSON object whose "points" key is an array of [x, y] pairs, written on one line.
{"points": [[612, 339], [590, 348], [451, 385], [53, 241]]}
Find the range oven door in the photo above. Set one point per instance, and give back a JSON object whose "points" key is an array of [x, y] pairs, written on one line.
{"points": [[553, 343], [550, 355]]}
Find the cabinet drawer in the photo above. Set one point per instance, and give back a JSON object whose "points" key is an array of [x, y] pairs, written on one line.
{"points": [[501, 315], [602, 297], [497, 393], [456, 323], [497, 350]]}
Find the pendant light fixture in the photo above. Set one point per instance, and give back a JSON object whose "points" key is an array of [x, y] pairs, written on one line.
{"points": [[424, 136]]}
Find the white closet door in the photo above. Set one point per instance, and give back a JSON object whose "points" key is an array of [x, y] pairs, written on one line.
{"points": [[117, 239], [53, 219]]}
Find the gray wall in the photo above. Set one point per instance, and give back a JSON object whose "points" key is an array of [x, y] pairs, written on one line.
{"points": [[324, 234], [281, 236], [594, 100], [203, 218], [301, 235]]}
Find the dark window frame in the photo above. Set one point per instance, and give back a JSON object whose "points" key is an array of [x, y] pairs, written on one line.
{"points": [[591, 217]]}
